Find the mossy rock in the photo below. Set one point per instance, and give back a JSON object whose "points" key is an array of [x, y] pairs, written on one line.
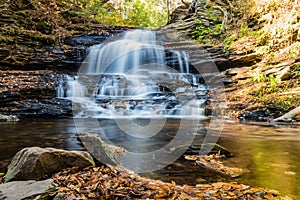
{"points": [[44, 27], [17, 5]]}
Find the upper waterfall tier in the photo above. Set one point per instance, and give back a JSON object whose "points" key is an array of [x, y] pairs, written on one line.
{"points": [[134, 49]]}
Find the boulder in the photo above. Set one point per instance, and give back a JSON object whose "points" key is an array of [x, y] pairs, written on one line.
{"points": [[35, 163], [101, 151], [26, 189]]}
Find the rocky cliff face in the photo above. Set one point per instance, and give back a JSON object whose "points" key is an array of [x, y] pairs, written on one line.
{"points": [[37, 34], [38, 40], [31, 94], [258, 49]]}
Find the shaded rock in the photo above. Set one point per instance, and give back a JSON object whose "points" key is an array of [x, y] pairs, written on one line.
{"points": [[245, 59], [8, 118], [259, 115], [209, 147], [31, 93], [39, 108], [101, 151], [35, 163], [25, 189]]}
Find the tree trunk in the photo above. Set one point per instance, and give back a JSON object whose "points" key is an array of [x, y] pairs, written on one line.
{"points": [[288, 116]]}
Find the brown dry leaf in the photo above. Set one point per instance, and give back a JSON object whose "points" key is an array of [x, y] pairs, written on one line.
{"points": [[95, 169], [191, 157], [106, 183], [166, 189], [218, 185]]}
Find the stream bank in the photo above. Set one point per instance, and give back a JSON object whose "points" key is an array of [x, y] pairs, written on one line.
{"points": [[259, 52]]}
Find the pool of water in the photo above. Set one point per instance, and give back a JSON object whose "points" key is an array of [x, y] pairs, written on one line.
{"points": [[269, 155]]}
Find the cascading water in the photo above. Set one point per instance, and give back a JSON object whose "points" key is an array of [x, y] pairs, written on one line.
{"points": [[134, 49], [135, 76], [69, 87]]}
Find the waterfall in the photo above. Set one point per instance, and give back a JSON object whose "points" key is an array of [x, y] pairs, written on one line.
{"points": [[135, 76], [70, 87], [135, 48]]}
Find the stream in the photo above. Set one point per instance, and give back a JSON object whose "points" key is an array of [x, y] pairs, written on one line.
{"points": [[122, 88], [268, 154]]}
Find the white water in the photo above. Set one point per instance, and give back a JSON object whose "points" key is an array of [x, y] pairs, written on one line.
{"points": [[70, 88], [134, 49], [134, 78]]}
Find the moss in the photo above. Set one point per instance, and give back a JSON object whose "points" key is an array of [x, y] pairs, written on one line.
{"points": [[22, 14], [213, 15], [6, 39], [44, 38], [295, 71], [209, 34], [68, 15], [44, 27], [284, 102]]}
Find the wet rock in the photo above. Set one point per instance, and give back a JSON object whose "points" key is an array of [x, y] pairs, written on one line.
{"points": [[8, 118], [35, 163], [19, 85], [31, 93], [259, 115], [41, 108], [86, 40], [26, 189]]}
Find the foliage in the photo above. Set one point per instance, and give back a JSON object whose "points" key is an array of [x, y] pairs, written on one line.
{"points": [[281, 102], [295, 71], [152, 13], [208, 34], [273, 82], [258, 77], [276, 27], [270, 90], [267, 29]]}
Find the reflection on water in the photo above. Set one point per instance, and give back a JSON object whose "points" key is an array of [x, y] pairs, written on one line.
{"points": [[17, 135], [268, 155]]}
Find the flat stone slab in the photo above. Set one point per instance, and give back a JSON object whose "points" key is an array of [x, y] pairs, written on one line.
{"points": [[18, 190]]}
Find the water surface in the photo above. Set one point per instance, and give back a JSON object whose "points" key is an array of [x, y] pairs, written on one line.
{"points": [[269, 155]]}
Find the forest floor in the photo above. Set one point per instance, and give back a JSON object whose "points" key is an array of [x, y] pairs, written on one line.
{"points": [[246, 100]]}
